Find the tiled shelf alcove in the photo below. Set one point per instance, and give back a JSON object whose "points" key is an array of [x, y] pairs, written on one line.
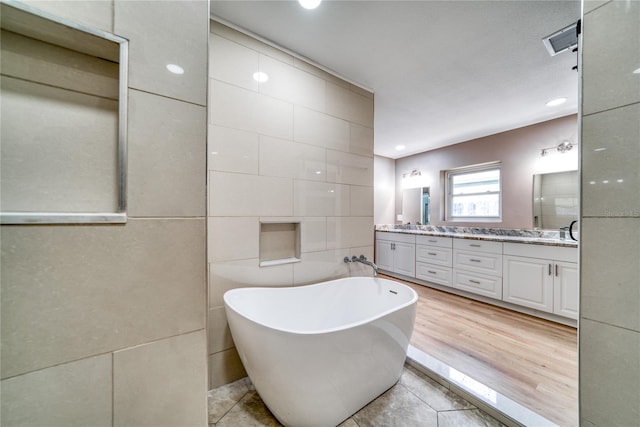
{"points": [[279, 243]]}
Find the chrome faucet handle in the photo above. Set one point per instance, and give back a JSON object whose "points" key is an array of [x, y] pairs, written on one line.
{"points": [[362, 258], [354, 258], [346, 259]]}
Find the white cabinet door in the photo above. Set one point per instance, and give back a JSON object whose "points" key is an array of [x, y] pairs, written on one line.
{"points": [[528, 282], [384, 255], [565, 299], [404, 257]]}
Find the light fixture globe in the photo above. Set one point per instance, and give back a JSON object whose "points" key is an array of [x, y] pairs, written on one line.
{"points": [[309, 4]]}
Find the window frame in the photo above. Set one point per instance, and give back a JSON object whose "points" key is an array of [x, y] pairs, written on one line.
{"points": [[448, 183]]}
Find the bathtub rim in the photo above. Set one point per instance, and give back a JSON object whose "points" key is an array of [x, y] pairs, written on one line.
{"points": [[366, 320]]}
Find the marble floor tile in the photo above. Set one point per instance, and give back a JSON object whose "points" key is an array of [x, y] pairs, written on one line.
{"points": [[416, 400], [466, 417], [397, 407], [249, 412], [222, 399]]}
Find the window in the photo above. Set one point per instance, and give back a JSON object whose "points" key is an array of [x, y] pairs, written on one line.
{"points": [[473, 193]]}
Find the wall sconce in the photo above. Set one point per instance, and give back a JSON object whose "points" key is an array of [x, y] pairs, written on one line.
{"points": [[563, 147]]}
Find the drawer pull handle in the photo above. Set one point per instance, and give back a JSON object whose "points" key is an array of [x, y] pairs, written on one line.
{"points": [[549, 269], [431, 272], [556, 270], [475, 260], [432, 253], [432, 241], [474, 281], [475, 246]]}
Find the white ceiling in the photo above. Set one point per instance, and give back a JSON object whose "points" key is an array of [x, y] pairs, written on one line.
{"points": [[443, 72]]}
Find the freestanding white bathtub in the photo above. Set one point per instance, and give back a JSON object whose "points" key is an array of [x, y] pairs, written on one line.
{"points": [[318, 353]]}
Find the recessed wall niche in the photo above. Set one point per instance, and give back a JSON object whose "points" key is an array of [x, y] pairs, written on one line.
{"points": [[63, 121], [279, 243]]}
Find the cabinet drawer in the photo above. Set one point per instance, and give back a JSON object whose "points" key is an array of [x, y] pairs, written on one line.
{"points": [[478, 245], [395, 237], [443, 242], [479, 262], [480, 284], [433, 273], [434, 255]]}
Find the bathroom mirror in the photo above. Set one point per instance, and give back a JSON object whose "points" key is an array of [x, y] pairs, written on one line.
{"points": [[63, 122], [415, 206], [555, 199]]}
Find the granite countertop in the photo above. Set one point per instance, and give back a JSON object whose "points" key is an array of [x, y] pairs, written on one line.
{"points": [[535, 237]]}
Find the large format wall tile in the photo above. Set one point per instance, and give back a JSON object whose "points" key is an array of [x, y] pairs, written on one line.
{"points": [[72, 394], [361, 200], [233, 63], [347, 168], [68, 165], [225, 367], [166, 156], [319, 267], [162, 33], [313, 236], [361, 140], [227, 275], [320, 199], [219, 334], [349, 105], [232, 150], [233, 194], [608, 76], [280, 157], [611, 295], [161, 383], [238, 108], [96, 13], [347, 232], [313, 127], [609, 374], [291, 84], [73, 292], [233, 238], [611, 175]]}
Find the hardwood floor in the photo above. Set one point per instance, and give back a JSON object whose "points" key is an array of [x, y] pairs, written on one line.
{"points": [[532, 361]]}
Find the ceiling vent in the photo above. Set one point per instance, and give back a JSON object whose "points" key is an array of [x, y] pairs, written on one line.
{"points": [[565, 39]]}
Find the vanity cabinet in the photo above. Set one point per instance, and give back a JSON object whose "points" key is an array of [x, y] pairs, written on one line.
{"points": [[477, 267], [396, 252], [541, 277], [434, 257]]}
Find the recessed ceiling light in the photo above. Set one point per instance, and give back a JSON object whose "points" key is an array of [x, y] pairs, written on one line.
{"points": [[309, 4], [260, 77], [400, 147], [557, 101], [175, 69]]}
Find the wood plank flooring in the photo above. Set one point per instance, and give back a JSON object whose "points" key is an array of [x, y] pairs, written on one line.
{"points": [[532, 361]]}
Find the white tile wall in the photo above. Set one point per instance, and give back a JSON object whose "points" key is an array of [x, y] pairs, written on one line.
{"points": [[107, 323], [611, 178], [609, 333], [284, 158], [161, 33], [51, 397], [608, 78], [233, 63], [233, 150], [315, 166], [157, 374], [313, 127]]}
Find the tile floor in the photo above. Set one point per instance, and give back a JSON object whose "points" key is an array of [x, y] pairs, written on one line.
{"points": [[416, 400]]}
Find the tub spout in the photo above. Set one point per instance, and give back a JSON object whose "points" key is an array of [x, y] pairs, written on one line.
{"points": [[363, 259]]}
